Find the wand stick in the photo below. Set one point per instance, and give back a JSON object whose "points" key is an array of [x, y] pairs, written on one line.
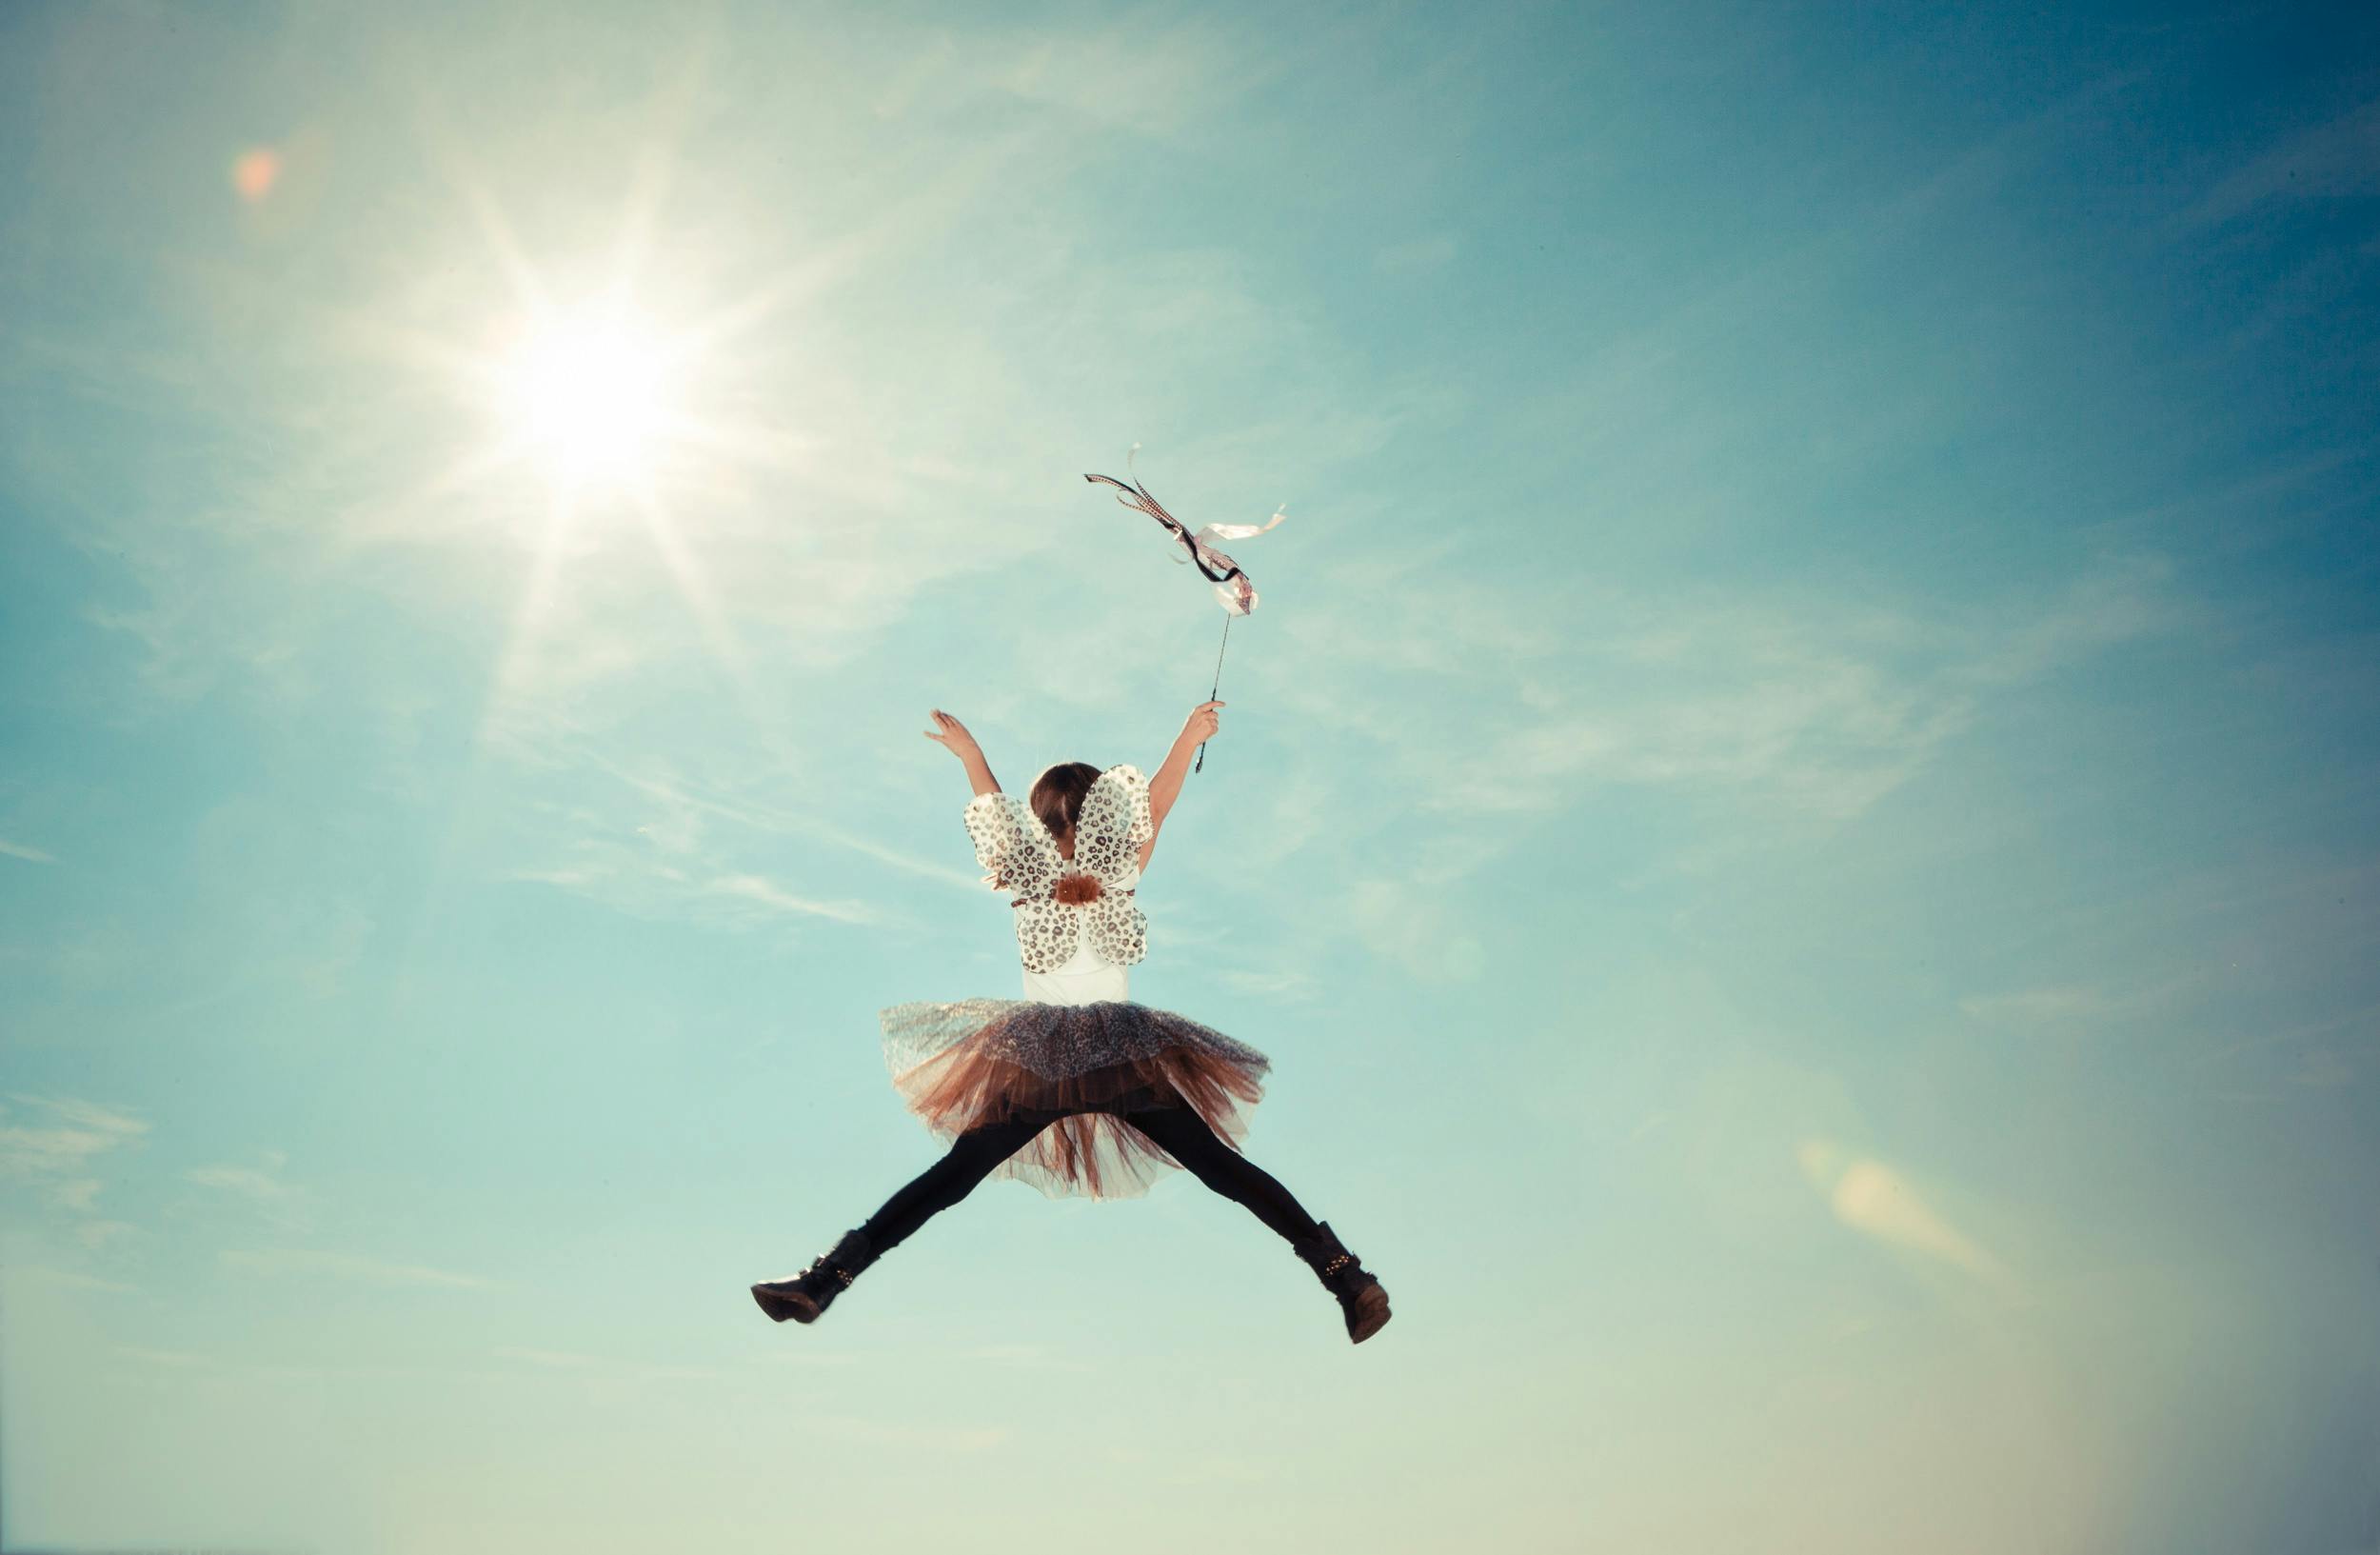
{"points": [[1200, 763]]}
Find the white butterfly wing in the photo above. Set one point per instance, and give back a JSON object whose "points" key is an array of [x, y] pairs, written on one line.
{"points": [[1117, 928], [1048, 932], [1018, 854], [1114, 826]]}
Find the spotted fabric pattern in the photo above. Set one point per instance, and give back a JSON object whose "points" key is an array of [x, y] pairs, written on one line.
{"points": [[1021, 860], [1018, 856]]}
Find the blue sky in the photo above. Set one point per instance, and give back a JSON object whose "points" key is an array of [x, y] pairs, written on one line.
{"points": [[1794, 819]]}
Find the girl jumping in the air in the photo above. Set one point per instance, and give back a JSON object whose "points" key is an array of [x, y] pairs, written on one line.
{"points": [[1073, 1088]]}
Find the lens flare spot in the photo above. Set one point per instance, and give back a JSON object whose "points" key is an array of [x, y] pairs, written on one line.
{"points": [[1872, 1198], [255, 171]]}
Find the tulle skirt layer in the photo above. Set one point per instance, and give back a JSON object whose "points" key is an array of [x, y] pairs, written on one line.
{"points": [[963, 1064]]}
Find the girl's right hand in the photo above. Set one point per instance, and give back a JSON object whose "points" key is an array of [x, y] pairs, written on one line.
{"points": [[952, 736], [1203, 723]]}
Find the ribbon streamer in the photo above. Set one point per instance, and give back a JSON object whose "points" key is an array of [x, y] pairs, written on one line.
{"points": [[1232, 585]]}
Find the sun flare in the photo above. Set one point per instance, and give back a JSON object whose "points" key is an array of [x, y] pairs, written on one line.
{"points": [[592, 394], [617, 391]]}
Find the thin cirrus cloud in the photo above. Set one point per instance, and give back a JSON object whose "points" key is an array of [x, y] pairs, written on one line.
{"points": [[766, 893], [262, 1183], [611, 1366], [1809, 711], [309, 1263], [70, 1135], [931, 1438], [70, 1279], [2338, 159], [648, 887], [2072, 1005]]}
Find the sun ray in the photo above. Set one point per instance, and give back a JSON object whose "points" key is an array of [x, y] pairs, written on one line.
{"points": [[712, 623], [521, 636], [656, 164], [406, 347], [801, 278], [595, 390], [687, 575], [634, 245], [526, 288], [387, 518], [750, 444]]}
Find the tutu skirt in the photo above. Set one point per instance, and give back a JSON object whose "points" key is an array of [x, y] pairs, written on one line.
{"points": [[964, 1065]]}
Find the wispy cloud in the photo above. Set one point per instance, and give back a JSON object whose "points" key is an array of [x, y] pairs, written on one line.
{"points": [[2325, 1068], [1028, 1357], [2074, 1004], [32, 855], [1417, 256], [79, 1193], [1652, 1121], [1819, 710], [250, 1182], [580, 1360], [567, 1360], [77, 1132], [305, 1263], [638, 881], [2364, 1019], [177, 1359], [2339, 158], [950, 1439], [686, 805], [767, 894], [73, 1278], [282, 1204], [1411, 924], [1762, 714], [1218, 1469], [1280, 984], [808, 1357], [1159, 79], [678, 851]]}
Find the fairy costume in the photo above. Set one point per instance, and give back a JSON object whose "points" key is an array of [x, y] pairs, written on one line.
{"points": [[1076, 1044], [1073, 1088]]}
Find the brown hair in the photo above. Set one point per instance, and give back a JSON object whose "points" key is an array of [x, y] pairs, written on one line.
{"points": [[1058, 795]]}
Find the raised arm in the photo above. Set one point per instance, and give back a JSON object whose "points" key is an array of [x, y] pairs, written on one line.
{"points": [[952, 736], [1166, 786]]}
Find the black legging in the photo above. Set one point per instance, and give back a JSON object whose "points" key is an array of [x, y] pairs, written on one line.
{"points": [[1176, 1130]]}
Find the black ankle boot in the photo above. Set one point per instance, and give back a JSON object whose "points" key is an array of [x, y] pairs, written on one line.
{"points": [[808, 1293], [1362, 1296]]}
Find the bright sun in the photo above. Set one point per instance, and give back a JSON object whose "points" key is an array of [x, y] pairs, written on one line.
{"points": [[592, 394], [617, 407]]}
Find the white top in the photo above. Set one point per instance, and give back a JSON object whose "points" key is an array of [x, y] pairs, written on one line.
{"points": [[1088, 977]]}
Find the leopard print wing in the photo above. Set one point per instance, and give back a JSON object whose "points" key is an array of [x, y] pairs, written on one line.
{"points": [[1018, 856], [1048, 933], [1117, 928], [1109, 835], [1114, 826]]}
